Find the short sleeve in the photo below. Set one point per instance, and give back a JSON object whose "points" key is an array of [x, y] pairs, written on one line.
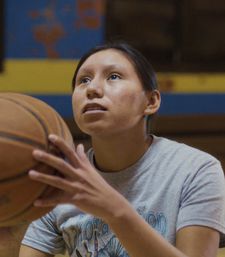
{"points": [[43, 235], [203, 198]]}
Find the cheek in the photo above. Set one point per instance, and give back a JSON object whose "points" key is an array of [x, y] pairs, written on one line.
{"points": [[76, 103], [133, 101]]}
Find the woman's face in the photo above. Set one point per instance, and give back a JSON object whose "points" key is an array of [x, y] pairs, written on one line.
{"points": [[108, 97]]}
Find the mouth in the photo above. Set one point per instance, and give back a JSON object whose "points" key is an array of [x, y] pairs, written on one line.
{"points": [[93, 107]]}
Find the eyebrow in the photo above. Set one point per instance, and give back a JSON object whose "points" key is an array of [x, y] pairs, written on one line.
{"points": [[113, 67], [106, 68]]}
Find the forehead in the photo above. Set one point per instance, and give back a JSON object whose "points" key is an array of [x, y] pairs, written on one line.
{"points": [[107, 58]]}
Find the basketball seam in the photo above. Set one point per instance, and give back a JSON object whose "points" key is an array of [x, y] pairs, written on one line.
{"points": [[61, 127], [34, 114], [21, 139], [10, 219], [20, 175], [21, 212], [24, 210], [28, 141]]}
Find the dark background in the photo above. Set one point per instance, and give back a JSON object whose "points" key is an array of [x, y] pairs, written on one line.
{"points": [[176, 35]]}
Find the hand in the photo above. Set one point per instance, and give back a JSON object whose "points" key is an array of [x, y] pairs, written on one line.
{"points": [[80, 185]]}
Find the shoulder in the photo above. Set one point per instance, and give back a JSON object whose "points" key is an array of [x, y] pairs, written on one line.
{"points": [[181, 151], [181, 160]]}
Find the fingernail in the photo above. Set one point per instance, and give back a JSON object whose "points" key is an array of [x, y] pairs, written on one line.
{"points": [[37, 203], [80, 148], [52, 138], [37, 153], [32, 173]]}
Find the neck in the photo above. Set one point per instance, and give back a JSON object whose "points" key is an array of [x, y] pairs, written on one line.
{"points": [[118, 152]]}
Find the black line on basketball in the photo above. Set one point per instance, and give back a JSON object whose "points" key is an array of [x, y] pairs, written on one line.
{"points": [[20, 212], [20, 174], [33, 113], [62, 132], [26, 207], [21, 139]]}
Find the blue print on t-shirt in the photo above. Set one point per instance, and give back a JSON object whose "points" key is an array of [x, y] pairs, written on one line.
{"points": [[94, 238]]}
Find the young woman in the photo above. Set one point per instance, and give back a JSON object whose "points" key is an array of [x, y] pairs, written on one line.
{"points": [[133, 193]]}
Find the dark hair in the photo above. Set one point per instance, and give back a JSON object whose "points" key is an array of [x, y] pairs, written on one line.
{"points": [[141, 64]]}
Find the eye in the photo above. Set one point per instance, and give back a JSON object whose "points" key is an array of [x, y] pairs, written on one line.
{"points": [[114, 76], [83, 80]]}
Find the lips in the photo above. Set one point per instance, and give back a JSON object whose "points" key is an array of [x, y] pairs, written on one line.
{"points": [[93, 107]]}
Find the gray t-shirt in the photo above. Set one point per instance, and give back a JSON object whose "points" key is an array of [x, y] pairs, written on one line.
{"points": [[172, 186]]}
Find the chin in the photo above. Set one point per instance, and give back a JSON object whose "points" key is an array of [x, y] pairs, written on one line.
{"points": [[99, 132], [102, 129], [91, 129], [96, 133]]}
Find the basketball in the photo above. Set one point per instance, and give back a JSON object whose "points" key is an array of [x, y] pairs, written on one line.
{"points": [[25, 123]]}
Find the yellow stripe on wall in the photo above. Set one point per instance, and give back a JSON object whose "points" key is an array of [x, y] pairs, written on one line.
{"points": [[37, 76], [49, 76], [192, 82]]}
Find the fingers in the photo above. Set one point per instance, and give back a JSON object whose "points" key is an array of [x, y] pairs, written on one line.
{"points": [[67, 193], [55, 162], [51, 180], [70, 154]]}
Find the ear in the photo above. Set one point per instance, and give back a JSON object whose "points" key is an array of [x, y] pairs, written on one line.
{"points": [[154, 100]]}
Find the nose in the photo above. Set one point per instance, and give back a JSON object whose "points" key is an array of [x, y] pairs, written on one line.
{"points": [[95, 89]]}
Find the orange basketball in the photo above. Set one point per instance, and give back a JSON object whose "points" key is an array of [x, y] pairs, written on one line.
{"points": [[25, 123]]}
